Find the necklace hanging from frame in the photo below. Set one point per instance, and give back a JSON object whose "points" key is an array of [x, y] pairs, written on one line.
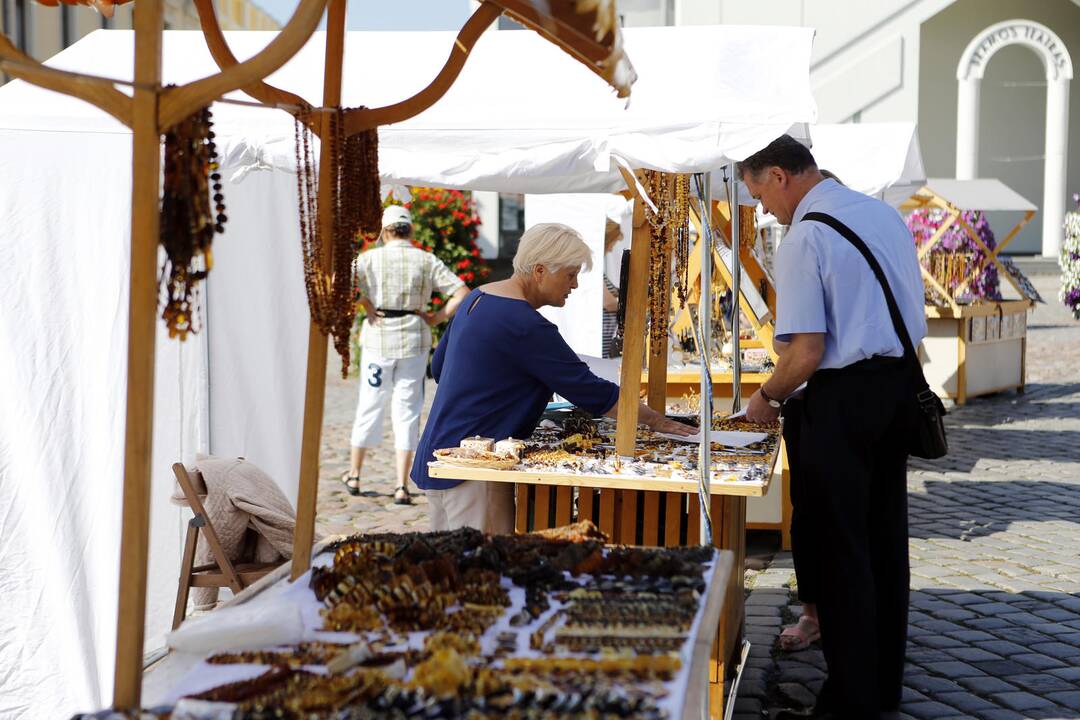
{"points": [[669, 238], [355, 209], [188, 220]]}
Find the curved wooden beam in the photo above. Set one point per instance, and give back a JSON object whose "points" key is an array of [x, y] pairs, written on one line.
{"points": [[225, 59], [99, 92], [178, 103], [366, 118]]}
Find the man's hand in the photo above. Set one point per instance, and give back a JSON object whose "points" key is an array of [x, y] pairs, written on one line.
{"points": [[373, 318], [672, 427], [760, 411]]}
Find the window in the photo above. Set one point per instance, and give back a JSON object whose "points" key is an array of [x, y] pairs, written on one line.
{"points": [[511, 223], [20, 25], [67, 25]]}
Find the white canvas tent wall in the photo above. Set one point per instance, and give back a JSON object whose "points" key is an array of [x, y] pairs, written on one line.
{"points": [[237, 389]]}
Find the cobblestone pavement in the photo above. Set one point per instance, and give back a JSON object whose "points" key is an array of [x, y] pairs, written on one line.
{"points": [[995, 549], [994, 627]]}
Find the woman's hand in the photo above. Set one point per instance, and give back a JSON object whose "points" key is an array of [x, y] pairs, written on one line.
{"points": [[672, 427], [433, 318]]}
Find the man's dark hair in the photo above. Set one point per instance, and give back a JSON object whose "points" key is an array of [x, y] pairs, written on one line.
{"points": [[784, 152]]}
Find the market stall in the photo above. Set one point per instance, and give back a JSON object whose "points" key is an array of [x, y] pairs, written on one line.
{"points": [[976, 341], [455, 624], [52, 143]]}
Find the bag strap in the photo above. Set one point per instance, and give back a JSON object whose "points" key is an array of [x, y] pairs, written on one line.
{"points": [[894, 310]]}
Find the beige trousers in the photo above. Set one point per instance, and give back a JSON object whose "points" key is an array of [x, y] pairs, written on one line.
{"points": [[486, 506]]}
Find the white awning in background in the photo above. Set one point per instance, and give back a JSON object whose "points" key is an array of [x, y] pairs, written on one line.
{"points": [[878, 159], [986, 194]]}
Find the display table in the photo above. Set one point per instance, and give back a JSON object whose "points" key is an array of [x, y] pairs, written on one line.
{"points": [[641, 509], [976, 349], [519, 660]]}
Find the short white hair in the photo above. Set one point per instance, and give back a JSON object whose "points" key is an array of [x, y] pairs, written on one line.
{"points": [[553, 245]]}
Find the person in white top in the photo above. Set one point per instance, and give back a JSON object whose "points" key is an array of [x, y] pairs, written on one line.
{"points": [[837, 336], [395, 282]]}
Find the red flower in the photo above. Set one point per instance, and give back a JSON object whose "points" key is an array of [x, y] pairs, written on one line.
{"points": [[463, 264], [469, 276], [475, 252], [436, 301]]}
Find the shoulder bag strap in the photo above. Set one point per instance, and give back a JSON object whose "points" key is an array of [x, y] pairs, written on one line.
{"points": [[894, 310]]}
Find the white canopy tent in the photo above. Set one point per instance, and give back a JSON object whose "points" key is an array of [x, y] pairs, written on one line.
{"points": [[237, 388], [879, 159]]}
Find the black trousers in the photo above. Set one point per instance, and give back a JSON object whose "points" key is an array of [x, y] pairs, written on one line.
{"points": [[852, 546], [802, 529]]}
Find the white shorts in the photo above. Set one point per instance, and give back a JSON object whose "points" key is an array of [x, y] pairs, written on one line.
{"points": [[401, 382], [486, 506]]}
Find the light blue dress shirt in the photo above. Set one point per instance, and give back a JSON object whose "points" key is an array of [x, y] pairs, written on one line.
{"points": [[824, 285]]}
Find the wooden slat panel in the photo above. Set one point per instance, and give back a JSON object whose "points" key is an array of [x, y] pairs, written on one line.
{"points": [[629, 519], [633, 332], [521, 507], [542, 519], [693, 521], [651, 519], [563, 496], [607, 513], [673, 519], [586, 503]]}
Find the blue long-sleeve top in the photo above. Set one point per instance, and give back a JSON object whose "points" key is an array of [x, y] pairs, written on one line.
{"points": [[497, 366]]}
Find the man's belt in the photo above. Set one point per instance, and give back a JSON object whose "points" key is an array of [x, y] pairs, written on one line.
{"points": [[383, 312]]}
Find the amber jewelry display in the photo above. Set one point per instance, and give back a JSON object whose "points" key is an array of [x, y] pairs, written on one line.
{"points": [[190, 216], [356, 209], [669, 236]]}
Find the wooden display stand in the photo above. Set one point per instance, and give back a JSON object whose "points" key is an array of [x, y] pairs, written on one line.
{"points": [[978, 348], [634, 509], [149, 111]]}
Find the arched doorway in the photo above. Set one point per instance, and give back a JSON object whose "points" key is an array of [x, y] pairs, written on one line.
{"points": [[1058, 65]]}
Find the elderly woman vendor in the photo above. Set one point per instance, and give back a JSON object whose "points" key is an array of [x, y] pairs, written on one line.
{"points": [[498, 365]]}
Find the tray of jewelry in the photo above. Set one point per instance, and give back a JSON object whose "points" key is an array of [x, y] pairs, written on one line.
{"points": [[584, 448], [462, 625]]}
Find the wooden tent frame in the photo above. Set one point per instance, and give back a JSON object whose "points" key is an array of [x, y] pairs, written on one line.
{"points": [[152, 109], [927, 198]]}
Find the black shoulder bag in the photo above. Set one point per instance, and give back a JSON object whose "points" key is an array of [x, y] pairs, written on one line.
{"points": [[927, 428]]}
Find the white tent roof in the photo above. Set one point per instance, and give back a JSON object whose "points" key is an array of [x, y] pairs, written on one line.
{"points": [[522, 117], [879, 159], [987, 194]]}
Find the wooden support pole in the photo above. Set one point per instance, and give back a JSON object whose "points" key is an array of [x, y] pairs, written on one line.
{"points": [[658, 352], [633, 333], [315, 394], [142, 314]]}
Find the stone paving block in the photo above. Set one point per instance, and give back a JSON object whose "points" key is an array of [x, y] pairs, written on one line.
{"points": [[952, 669], [762, 611], [1041, 683], [805, 675], [971, 636], [1001, 668], [972, 654], [989, 624], [796, 694], [1003, 648], [986, 685], [939, 626], [1058, 650], [939, 641], [922, 656], [1069, 699], [1037, 661], [1021, 636], [999, 714], [990, 608], [964, 702], [930, 685], [1071, 673], [753, 683], [1020, 700], [928, 710]]}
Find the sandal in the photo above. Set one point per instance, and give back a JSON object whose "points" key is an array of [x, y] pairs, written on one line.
{"points": [[799, 636], [351, 483], [402, 497]]}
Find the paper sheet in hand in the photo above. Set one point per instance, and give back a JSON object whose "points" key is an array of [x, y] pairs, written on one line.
{"points": [[730, 438]]}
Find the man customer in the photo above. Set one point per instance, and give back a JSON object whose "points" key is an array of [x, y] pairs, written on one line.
{"points": [[854, 424], [396, 281]]}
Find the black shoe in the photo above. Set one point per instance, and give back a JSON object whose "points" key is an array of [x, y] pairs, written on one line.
{"points": [[351, 483]]}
